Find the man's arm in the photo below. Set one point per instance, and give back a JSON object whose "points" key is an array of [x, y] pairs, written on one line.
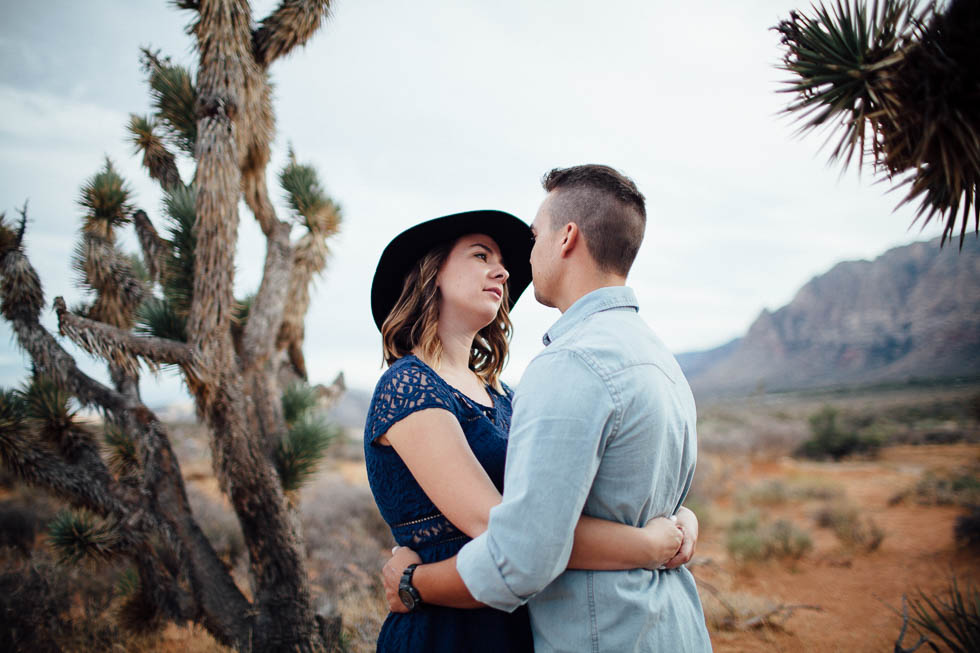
{"points": [[563, 414]]}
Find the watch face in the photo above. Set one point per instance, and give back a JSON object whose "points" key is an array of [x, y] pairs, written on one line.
{"points": [[407, 598]]}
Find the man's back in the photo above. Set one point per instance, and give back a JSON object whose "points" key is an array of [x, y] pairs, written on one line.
{"points": [[647, 460], [604, 424]]}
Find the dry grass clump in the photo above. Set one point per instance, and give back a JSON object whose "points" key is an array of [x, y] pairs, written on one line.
{"points": [[732, 611], [775, 492], [749, 539], [959, 487], [850, 527]]}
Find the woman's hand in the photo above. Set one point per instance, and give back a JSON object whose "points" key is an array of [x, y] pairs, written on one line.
{"points": [[665, 540], [687, 521], [401, 557]]}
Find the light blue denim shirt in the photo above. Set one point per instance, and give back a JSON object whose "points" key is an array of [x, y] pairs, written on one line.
{"points": [[604, 425]]}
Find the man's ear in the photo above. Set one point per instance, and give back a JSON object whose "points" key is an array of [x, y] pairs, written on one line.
{"points": [[569, 239]]}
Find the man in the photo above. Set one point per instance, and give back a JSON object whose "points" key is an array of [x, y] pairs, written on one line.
{"points": [[604, 424]]}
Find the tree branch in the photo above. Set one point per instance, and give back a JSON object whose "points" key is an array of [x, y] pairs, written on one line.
{"points": [[124, 348], [292, 24], [265, 316], [154, 247]]}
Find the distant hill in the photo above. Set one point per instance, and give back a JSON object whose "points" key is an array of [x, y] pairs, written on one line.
{"points": [[913, 313]]}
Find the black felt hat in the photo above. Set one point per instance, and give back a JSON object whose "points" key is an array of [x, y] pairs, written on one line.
{"points": [[511, 234]]}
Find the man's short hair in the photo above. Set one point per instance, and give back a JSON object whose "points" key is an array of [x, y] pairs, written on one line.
{"points": [[607, 207]]}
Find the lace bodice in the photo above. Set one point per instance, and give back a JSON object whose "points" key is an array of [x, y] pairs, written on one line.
{"points": [[410, 385]]}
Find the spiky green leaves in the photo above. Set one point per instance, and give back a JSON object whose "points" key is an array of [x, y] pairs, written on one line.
{"points": [[48, 413], [174, 98], [297, 400], [14, 432], [157, 317], [123, 457], [77, 535], [307, 198], [105, 198], [167, 317], [159, 162], [300, 452], [903, 78], [178, 283], [838, 57]]}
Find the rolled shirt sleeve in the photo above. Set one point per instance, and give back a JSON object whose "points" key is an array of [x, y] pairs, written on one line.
{"points": [[564, 413]]}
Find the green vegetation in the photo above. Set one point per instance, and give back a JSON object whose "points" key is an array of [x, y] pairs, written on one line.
{"points": [[850, 528], [837, 438], [750, 540], [959, 487]]}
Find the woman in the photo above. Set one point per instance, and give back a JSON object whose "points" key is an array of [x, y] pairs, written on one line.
{"points": [[435, 437]]}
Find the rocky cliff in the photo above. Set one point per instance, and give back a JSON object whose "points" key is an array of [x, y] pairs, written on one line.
{"points": [[911, 314]]}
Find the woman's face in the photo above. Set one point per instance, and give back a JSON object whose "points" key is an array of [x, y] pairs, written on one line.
{"points": [[471, 282]]}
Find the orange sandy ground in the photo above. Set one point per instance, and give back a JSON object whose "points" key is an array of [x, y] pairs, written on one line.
{"points": [[852, 589]]}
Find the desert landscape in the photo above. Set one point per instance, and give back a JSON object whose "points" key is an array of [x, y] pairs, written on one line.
{"points": [[795, 554]]}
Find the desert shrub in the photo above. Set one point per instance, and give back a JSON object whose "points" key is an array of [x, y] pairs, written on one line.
{"points": [[818, 490], [772, 492], [727, 611], [749, 539], [966, 531], [960, 487], [849, 526], [951, 617], [836, 439]]}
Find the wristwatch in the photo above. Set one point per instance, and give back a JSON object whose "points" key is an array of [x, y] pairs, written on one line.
{"points": [[407, 592]]}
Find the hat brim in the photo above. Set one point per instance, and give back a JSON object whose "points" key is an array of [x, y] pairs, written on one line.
{"points": [[512, 235]]}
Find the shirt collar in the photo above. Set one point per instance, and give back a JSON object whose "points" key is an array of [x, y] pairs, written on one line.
{"points": [[602, 299]]}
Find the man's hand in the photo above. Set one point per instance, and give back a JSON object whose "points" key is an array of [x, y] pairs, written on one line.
{"points": [[687, 522], [401, 557], [665, 540]]}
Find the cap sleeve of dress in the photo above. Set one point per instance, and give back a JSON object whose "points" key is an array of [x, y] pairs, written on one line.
{"points": [[406, 387]]}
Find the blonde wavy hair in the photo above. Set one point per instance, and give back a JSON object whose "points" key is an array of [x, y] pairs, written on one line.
{"points": [[413, 323]]}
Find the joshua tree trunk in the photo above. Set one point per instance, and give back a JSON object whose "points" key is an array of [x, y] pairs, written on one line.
{"points": [[232, 354]]}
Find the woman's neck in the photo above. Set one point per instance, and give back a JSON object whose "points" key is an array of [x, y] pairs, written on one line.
{"points": [[456, 347]]}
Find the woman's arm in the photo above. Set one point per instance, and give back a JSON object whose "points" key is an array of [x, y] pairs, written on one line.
{"points": [[432, 445]]}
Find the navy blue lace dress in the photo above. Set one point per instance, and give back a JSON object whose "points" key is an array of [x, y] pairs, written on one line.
{"points": [[407, 386]]}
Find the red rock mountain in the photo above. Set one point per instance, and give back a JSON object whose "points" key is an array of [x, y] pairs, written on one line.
{"points": [[913, 313]]}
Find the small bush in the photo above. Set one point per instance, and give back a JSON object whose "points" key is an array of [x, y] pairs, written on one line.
{"points": [[749, 539], [831, 439], [967, 529], [960, 487], [772, 492], [849, 527]]}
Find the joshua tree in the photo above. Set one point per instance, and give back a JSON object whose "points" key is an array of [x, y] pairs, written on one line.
{"points": [[905, 78], [174, 307]]}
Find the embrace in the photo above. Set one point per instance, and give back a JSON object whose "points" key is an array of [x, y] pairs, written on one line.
{"points": [[548, 518]]}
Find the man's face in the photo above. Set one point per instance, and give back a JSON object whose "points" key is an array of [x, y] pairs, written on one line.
{"points": [[544, 254]]}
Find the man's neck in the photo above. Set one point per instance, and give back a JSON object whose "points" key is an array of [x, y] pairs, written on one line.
{"points": [[577, 289]]}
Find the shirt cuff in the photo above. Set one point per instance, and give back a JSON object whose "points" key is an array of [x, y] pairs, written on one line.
{"points": [[478, 568]]}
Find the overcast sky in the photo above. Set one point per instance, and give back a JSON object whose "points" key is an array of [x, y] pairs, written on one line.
{"points": [[414, 110]]}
